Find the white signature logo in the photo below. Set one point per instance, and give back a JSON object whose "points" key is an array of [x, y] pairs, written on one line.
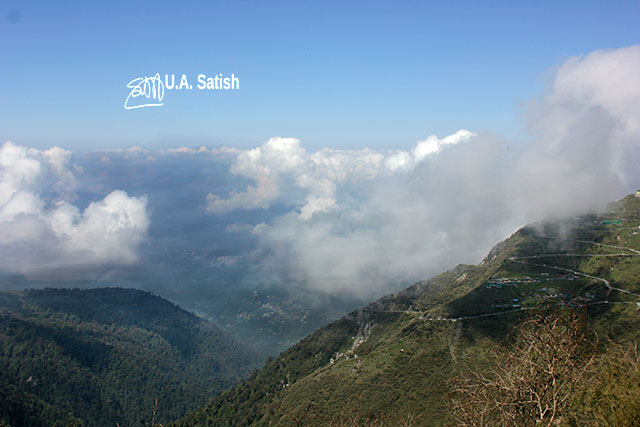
{"points": [[151, 88]]}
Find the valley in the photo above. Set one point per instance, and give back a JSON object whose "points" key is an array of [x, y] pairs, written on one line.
{"points": [[107, 356]]}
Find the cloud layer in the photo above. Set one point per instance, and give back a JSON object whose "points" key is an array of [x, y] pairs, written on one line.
{"points": [[364, 220], [40, 228], [345, 222]]}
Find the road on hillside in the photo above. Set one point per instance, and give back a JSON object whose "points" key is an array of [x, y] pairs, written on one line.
{"points": [[520, 260], [610, 288]]}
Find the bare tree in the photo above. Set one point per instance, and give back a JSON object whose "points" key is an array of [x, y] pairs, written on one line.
{"points": [[534, 379]]}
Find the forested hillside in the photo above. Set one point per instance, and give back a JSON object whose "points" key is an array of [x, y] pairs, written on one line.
{"points": [[399, 360], [103, 356]]}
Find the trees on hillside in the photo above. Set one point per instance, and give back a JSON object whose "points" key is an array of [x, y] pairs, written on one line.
{"points": [[534, 380], [611, 397]]}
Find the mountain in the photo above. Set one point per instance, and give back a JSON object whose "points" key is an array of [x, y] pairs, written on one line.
{"points": [[105, 356], [393, 361]]}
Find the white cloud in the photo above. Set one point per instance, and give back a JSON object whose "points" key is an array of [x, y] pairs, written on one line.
{"points": [[203, 149], [587, 133], [433, 145], [187, 150], [108, 231], [41, 229], [282, 166], [364, 219], [134, 152]]}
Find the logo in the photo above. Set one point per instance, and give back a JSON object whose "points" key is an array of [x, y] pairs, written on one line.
{"points": [[149, 91], [143, 90]]}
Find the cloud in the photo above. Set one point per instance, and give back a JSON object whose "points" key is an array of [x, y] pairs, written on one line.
{"points": [[267, 166], [403, 227], [363, 221], [187, 150], [282, 167], [587, 134], [216, 150], [41, 229], [134, 152]]}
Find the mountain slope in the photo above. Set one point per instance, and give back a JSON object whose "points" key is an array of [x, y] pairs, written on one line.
{"points": [[103, 356], [392, 360]]}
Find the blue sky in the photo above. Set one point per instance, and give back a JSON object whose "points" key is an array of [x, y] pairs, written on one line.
{"points": [[334, 74]]}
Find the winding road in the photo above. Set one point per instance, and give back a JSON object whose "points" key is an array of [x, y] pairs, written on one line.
{"points": [[610, 288], [521, 260]]}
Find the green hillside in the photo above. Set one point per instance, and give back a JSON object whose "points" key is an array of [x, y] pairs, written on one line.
{"points": [[103, 356], [394, 361]]}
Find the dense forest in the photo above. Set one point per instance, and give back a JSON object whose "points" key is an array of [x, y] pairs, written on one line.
{"points": [[104, 356]]}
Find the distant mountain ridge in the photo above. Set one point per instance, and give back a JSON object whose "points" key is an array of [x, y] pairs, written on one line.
{"points": [[391, 362], [99, 357]]}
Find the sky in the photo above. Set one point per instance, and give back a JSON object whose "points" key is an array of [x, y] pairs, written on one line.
{"points": [[347, 75], [369, 145]]}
